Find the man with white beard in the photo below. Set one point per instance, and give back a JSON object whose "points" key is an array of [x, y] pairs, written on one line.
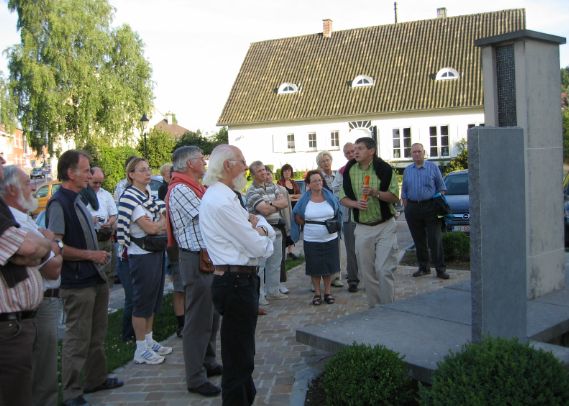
{"points": [[17, 192], [235, 242]]}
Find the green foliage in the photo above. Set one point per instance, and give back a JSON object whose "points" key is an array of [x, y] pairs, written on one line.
{"points": [[565, 114], [73, 75], [565, 79], [111, 160], [498, 371], [365, 375], [7, 106], [160, 146], [456, 246], [461, 160], [206, 144]]}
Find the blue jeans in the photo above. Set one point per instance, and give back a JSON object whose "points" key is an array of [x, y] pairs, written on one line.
{"points": [[123, 272]]}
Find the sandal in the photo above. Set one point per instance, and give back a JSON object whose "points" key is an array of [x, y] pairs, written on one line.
{"points": [[317, 300], [329, 299]]}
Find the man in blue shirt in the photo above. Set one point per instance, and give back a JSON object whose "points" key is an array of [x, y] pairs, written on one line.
{"points": [[421, 181]]}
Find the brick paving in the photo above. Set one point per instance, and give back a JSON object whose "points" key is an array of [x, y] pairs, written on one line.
{"points": [[279, 361]]}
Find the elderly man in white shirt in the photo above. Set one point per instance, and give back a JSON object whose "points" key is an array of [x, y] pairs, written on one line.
{"points": [[104, 219], [16, 189], [235, 241]]}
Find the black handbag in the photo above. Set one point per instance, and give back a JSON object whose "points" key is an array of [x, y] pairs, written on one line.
{"points": [[332, 225], [441, 205], [153, 243]]}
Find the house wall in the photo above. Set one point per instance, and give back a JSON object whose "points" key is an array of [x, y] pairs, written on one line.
{"points": [[269, 144]]}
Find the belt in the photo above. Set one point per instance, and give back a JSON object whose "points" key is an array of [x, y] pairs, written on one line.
{"points": [[419, 201], [375, 223], [51, 293], [17, 315], [221, 269], [187, 250]]}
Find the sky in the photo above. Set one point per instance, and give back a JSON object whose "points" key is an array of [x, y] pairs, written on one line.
{"points": [[196, 48]]}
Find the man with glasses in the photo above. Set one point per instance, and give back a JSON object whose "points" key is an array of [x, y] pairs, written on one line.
{"points": [[104, 219]]}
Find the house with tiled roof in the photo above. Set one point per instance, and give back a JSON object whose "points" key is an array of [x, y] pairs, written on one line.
{"points": [[170, 126], [418, 81]]}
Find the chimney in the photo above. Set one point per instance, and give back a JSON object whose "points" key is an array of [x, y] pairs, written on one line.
{"points": [[327, 28], [169, 118], [442, 12]]}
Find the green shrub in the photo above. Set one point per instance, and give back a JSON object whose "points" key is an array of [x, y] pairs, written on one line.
{"points": [[498, 371], [456, 246], [365, 375]]}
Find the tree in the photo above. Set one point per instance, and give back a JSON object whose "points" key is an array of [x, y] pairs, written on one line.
{"points": [[72, 75], [461, 159], [7, 106], [159, 147], [206, 144]]}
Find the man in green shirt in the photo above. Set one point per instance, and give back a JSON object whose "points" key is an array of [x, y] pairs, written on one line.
{"points": [[373, 212]]}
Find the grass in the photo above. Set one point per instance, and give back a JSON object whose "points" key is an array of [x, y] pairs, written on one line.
{"points": [[410, 259]]}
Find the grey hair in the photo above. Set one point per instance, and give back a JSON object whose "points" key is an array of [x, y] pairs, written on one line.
{"points": [[254, 165], [182, 155], [321, 156], [215, 169], [10, 178]]}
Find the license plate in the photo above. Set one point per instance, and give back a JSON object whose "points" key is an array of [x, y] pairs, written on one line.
{"points": [[464, 229]]}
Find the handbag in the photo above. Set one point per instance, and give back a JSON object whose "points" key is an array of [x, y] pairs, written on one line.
{"points": [[153, 243], [332, 224], [206, 265], [441, 205]]}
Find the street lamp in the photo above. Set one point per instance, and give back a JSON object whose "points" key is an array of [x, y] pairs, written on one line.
{"points": [[144, 122]]}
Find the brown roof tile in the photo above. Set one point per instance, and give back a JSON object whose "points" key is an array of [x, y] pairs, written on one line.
{"points": [[402, 58]]}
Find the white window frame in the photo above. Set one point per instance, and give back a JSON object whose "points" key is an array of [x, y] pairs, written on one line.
{"points": [[290, 145], [287, 88], [363, 81], [447, 74], [312, 139], [437, 133], [401, 137], [335, 139]]}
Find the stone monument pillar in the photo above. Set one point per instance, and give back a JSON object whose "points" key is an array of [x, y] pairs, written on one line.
{"points": [[521, 89]]}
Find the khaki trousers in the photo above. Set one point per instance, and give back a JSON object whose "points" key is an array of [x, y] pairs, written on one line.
{"points": [[376, 252], [83, 345]]}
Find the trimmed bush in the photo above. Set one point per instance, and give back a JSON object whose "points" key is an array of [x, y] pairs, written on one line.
{"points": [[498, 371], [365, 375], [456, 247]]}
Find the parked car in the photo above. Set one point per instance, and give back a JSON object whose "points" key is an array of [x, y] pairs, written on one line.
{"points": [[44, 193], [37, 173], [155, 182], [458, 200]]}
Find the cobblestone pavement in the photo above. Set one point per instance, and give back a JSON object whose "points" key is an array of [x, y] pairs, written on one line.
{"points": [[279, 357]]}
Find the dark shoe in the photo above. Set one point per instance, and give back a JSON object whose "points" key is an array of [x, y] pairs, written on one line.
{"points": [[292, 256], [112, 382], [443, 275], [261, 312], [179, 331], [353, 287], [329, 299], [317, 300], [206, 389], [422, 272], [78, 401], [216, 370]]}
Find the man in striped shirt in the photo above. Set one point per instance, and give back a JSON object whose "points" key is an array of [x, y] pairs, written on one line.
{"points": [[421, 181]]}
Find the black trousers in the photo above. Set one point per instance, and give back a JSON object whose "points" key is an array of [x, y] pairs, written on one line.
{"points": [[426, 230], [236, 298]]}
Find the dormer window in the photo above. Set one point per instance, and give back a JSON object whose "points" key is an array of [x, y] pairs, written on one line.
{"points": [[447, 74], [362, 81], [286, 88]]}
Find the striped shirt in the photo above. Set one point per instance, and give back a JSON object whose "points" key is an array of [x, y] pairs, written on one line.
{"points": [[184, 215], [10, 241], [421, 183]]}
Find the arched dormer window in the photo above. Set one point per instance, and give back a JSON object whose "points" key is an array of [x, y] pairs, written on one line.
{"points": [[286, 88], [447, 74], [363, 80]]}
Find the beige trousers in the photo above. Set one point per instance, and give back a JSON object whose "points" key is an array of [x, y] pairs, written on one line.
{"points": [[376, 252]]}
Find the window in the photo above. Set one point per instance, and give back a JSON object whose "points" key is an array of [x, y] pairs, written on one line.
{"points": [[335, 139], [312, 141], [290, 142], [447, 74], [438, 137], [362, 80], [286, 88], [402, 143]]}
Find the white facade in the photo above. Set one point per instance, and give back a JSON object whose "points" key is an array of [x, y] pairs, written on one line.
{"points": [[273, 145]]}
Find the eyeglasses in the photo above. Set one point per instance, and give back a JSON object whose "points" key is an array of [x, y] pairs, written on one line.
{"points": [[142, 170], [316, 181], [97, 183]]}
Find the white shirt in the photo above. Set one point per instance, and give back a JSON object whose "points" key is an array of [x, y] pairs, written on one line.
{"points": [[136, 231], [229, 237], [318, 212], [29, 225], [107, 207]]}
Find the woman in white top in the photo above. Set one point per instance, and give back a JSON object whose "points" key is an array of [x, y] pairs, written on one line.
{"points": [[142, 215], [321, 249]]}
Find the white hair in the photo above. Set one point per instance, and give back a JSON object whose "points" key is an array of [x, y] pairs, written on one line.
{"points": [[321, 156], [215, 169], [11, 178]]}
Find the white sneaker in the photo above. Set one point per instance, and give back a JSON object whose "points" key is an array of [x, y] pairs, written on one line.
{"points": [[337, 283], [159, 349], [263, 300], [277, 296], [147, 357], [283, 289]]}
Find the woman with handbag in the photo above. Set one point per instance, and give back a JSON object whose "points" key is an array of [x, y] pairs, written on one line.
{"points": [[318, 211], [141, 230]]}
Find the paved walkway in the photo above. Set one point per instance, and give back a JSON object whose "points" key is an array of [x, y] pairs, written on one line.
{"points": [[280, 361]]}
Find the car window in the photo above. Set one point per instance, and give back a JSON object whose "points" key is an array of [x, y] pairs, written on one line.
{"points": [[155, 185], [42, 191], [55, 187], [457, 184]]}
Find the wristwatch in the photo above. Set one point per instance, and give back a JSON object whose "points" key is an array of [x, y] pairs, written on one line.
{"points": [[60, 245]]}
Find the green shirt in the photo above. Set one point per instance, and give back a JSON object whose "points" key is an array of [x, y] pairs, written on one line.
{"points": [[373, 212]]}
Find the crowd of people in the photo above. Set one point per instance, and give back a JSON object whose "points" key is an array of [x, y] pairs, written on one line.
{"points": [[224, 245]]}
